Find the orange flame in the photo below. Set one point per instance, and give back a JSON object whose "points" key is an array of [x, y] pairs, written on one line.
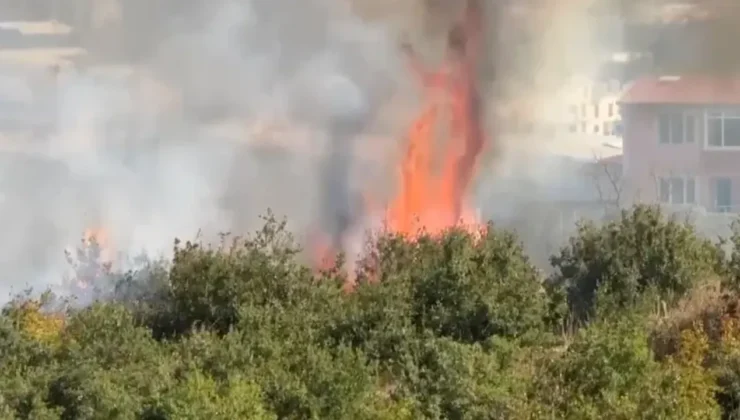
{"points": [[91, 263], [429, 198], [437, 201], [101, 239], [323, 256]]}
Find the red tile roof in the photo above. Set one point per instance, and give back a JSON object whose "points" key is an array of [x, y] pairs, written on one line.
{"points": [[689, 90]]}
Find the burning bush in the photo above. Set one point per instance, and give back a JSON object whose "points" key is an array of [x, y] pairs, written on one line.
{"points": [[91, 263]]}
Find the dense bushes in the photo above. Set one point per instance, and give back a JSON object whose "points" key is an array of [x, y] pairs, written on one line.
{"points": [[458, 326], [641, 251]]}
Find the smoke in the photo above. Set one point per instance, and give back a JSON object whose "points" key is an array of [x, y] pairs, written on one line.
{"points": [[253, 105], [544, 45], [192, 118]]}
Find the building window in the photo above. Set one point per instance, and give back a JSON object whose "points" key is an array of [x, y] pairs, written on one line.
{"points": [[723, 129], [611, 110], [607, 128], [689, 128], [722, 189], [618, 129], [583, 127], [596, 129], [583, 111], [676, 128], [677, 190], [573, 128], [596, 110]]}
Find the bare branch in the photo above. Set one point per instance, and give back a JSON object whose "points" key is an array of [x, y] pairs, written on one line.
{"points": [[614, 197]]}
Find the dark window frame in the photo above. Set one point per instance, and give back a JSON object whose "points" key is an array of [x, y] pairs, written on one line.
{"points": [[676, 127]]}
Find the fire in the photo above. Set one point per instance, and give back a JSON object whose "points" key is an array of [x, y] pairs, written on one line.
{"points": [[434, 181], [100, 238], [93, 260], [323, 255], [435, 200]]}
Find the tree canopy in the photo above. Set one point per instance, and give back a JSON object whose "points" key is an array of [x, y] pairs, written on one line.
{"points": [[638, 320]]}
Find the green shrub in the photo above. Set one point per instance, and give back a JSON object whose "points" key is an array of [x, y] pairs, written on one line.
{"points": [[609, 371], [733, 264], [460, 381], [455, 326], [198, 396], [465, 285], [209, 285], [643, 250], [299, 377]]}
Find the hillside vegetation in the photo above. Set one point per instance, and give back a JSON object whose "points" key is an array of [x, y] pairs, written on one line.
{"points": [[639, 321]]}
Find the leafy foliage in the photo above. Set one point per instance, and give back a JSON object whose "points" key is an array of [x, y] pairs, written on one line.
{"points": [[642, 251], [609, 371], [454, 326]]}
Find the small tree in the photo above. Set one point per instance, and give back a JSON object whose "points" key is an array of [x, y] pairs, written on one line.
{"points": [[91, 273]]}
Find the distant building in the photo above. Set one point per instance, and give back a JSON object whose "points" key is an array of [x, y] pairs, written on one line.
{"points": [[592, 106], [32, 55], [682, 141]]}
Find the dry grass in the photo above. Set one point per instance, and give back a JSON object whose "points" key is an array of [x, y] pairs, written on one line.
{"points": [[705, 306]]}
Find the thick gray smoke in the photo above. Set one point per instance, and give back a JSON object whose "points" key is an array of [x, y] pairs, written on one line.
{"points": [[194, 117], [232, 109]]}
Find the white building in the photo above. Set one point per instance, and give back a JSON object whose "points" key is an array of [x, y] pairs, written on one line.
{"points": [[592, 106], [29, 68]]}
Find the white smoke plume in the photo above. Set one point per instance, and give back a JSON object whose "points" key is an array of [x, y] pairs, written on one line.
{"points": [[215, 111], [193, 136]]}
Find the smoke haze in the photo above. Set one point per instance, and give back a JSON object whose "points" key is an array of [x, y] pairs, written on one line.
{"points": [[189, 135]]}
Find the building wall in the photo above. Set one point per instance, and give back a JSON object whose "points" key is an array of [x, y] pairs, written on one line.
{"points": [[646, 160]]}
